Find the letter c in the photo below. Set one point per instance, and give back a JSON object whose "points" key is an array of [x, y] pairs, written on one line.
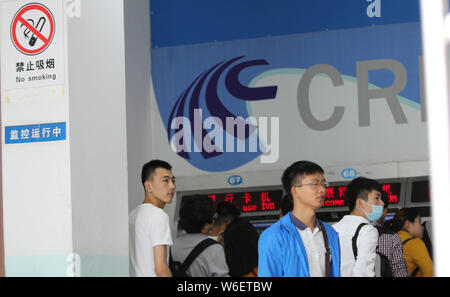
{"points": [[304, 106]]}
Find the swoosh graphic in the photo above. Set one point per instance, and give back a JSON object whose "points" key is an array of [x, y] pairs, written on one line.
{"points": [[207, 83]]}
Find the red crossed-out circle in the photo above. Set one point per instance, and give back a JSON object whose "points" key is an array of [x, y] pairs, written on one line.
{"points": [[19, 18]]}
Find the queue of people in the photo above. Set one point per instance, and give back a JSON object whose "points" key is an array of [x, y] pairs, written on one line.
{"points": [[218, 242]]}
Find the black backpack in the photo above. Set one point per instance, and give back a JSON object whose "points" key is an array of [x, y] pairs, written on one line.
{"points": [[179, 269], [414, 273], [384, 264]]}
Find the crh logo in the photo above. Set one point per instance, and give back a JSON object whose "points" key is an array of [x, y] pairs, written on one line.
{"points": [[210, 120]]}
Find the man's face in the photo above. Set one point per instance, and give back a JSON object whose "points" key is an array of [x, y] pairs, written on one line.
{"points": [[161, 185], [374, 198], [310, 191]]}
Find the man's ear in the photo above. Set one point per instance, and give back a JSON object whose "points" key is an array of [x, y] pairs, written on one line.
{"points": [[207, 227], [359, 203], [293, 189], [147, 186]]}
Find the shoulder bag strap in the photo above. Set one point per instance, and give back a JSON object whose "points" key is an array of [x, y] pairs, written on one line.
{"points": [[327, 250]]}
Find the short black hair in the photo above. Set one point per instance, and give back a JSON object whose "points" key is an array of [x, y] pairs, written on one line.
{"points": [[360, 187], [226, 211], [241, 247], [195, 212], [296, 170], [286, 205], [149, 169]]}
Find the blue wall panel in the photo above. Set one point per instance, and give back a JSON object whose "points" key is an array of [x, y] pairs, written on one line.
{"points": [[181, 22]]}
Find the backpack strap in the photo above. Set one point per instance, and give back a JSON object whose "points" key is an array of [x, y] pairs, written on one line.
{"points": [[197, 250], [171, 261], [355, 237], [414, 273], [406, 240], [327, 250]]}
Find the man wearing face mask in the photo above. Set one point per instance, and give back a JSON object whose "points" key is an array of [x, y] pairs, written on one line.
{"points": [[363, 197]]}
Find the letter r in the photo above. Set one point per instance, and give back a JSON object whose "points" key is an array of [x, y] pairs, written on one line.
{"points": [[390, 94]]}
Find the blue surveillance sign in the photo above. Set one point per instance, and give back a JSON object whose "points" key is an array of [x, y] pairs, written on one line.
{"points": [[35, 133]]}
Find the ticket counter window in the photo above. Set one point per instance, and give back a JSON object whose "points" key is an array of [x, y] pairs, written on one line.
{"points": [[420, 191]]}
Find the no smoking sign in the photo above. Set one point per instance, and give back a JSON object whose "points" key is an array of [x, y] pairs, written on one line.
{"points": [[32, 43], [33, 29]]}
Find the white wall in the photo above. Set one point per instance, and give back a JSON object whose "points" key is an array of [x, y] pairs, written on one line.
{"points": [[96, 176], [36, 181], [137, 57], [98, 137]]}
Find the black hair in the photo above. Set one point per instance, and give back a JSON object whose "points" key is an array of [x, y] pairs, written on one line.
{"points": [[298, 169], [241, 247], [286, 205], [226, 211], [149, 169], [360, 187], [195, 212], [400, 218]]}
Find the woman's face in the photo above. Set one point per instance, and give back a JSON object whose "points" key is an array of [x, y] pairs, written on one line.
{"points": [[415, 228]]}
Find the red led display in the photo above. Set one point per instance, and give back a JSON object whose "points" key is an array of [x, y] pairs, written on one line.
{"points": [[334, 196], [250, 201], [393, 192]]}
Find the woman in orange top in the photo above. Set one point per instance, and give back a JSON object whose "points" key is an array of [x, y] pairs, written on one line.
{"points": [[406, 223]]}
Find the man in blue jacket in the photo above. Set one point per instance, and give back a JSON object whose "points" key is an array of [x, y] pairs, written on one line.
{"points": [[297, 244]]}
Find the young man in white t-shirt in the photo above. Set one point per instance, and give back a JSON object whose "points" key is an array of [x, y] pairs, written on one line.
{"points": [[363, 196], [148, 223]]}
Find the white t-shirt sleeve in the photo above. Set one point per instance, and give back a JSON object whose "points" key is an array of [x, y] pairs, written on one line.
{"points": [[367, 244], [160, 229]]}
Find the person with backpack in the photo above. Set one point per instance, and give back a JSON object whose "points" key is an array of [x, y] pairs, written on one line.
{"points": [[406, 223], [390, 247], [194, 254], [358, 238]]}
